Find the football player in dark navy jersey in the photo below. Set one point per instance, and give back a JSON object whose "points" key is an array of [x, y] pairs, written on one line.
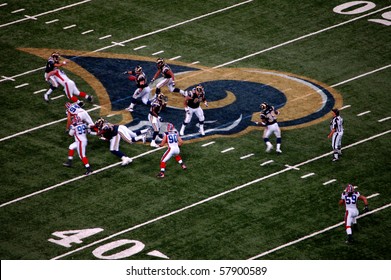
{"points": [[156, 107], [168, 78], [52, 63], [114, 133], [143, 90], [192, 106], [268, 117]]}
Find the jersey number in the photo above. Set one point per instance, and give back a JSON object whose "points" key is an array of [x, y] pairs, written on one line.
{"points": [[351, 199]]}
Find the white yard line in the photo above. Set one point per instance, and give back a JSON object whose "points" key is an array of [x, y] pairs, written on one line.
{"points": [[301, 38], [317, 233], [227, 150], [41, 126], [212, 198], [45, 13]]}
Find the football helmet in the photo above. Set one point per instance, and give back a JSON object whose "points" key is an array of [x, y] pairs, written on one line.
{"points": [[76, 120], [199, 89], [162, 98], [56, 56], [138, 69], [68, 105], [99, 123], [263, 106], [170, 127], [160, 62], [349, 188]]}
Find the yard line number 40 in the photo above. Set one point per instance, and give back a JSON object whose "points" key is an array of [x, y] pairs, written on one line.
{"points": [[358, 7], [106, 251]]}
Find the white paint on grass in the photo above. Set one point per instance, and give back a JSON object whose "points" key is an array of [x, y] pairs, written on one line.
{"points": [[220, 195]]}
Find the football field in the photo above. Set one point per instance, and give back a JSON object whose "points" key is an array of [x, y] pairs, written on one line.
{"points": [[235, 201]]}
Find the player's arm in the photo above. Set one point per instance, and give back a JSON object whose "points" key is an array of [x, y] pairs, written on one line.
{"points": [[365, 200], [171, 74], [51, 73], [263, 121], [331, 133], [60, 64], [156, 75], [68, 121], [164, 141], [180, 140]]}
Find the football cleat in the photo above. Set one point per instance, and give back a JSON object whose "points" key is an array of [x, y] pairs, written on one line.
{"points": [[46, 97], [279, 151], [144, 138], [269, 147], [126, 160], [334, 159], [160, 174], [90, 98], [88, 171], [129, 109], [349, 240], [184, 167], [153, 144], [68, 163]]}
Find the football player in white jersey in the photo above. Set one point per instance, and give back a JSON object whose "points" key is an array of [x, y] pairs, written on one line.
{"points": [[70, 88], [192, 106], [168, 78], [336, 133], [79, 131], [73, 109], [268, 117], [172, 139], [350, 198], [52, 63], [143, 90]]}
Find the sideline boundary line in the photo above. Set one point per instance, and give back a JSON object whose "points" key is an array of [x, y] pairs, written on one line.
{"points": [[315, 233], [212, 198]]}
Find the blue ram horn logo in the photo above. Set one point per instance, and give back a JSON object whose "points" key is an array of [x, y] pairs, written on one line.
{"points": [[233, 94]]}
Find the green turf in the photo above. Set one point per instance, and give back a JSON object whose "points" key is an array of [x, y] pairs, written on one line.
{"points": [[227, 223]]}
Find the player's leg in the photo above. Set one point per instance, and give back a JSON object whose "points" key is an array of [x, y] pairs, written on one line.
{"points": [[266, 133], [114, 149], [277, 133], [71, 152], [188, 116], [201, 119]]}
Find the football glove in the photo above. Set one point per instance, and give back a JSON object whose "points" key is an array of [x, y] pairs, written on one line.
{"points": [[366, 209], [126, 72]]}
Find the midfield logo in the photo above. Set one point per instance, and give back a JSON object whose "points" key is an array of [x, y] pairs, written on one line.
{"points": [[233, 94]]}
